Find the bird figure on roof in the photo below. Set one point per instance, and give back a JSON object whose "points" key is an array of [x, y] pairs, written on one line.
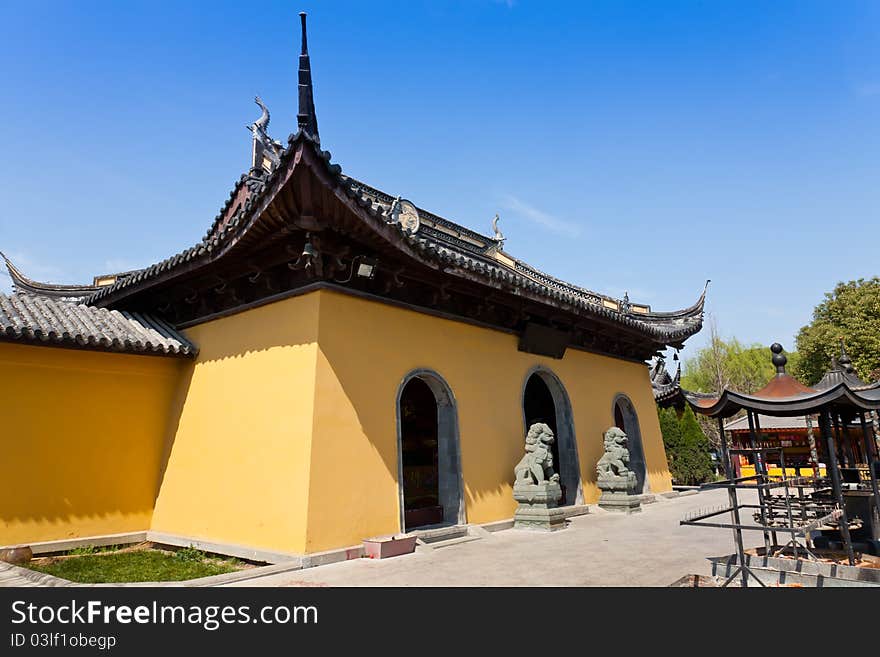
{"points": [[499, 236]]}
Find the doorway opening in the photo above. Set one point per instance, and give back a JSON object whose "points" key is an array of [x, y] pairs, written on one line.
{"points": [[545, 400], [626, 419], [429, 462]]}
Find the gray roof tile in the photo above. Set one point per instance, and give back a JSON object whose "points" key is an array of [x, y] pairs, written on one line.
{"points": [[38, 319]]}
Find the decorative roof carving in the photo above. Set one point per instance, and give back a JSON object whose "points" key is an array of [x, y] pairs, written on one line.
{"points": [[266, 149], [404, 214], [498, 235]]}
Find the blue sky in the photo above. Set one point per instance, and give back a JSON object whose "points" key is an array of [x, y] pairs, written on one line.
{"points": [[640, 146]]}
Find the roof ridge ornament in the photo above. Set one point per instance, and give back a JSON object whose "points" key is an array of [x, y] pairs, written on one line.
{"points": [[498, 235], [306, 118], [264, 147], [394, 211]]}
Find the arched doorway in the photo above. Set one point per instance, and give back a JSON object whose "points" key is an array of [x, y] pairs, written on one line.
{"points": [[625, 418], [429, 462], [545, 400]]}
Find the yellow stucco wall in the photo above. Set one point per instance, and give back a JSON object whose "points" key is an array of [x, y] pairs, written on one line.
{"points": [[282, 434], [81, 441], [365, 351], [238, 453]]}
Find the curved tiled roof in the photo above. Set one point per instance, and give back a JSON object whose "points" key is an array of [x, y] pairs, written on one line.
{"points": [[430, 248], [36, 319], [22, 283], [442, 245]]}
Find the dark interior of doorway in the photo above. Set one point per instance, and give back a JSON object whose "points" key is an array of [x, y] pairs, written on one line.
{"points": [[628, 423], [618, 417], [538, 406], [419, 447]]}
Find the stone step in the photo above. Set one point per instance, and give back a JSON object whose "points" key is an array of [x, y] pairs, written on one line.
{"points": [[439, 534], [453, 541]]}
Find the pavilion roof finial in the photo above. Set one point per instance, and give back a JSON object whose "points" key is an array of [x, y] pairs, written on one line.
{"points": [[306, 118], [779, 359]]}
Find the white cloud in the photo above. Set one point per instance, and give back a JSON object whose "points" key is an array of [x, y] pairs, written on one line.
{"points": [[522, 209]]}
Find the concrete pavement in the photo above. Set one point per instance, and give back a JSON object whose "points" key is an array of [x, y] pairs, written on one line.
{"points": [[599, 549]]}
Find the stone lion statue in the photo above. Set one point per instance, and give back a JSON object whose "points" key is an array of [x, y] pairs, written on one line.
{"points": [[536, 466], [616, 456]]}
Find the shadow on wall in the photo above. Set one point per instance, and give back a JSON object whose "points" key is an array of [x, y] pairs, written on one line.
{"points": [[289, 322], [369, 372], [174, 414]]}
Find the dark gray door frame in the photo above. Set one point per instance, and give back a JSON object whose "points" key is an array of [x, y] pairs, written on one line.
{"points": [[451, 482]]}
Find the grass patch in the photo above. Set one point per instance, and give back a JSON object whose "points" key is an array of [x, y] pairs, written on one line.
{"points": [[135, 566]]}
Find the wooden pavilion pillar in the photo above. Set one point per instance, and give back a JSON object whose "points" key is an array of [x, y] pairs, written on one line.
{"points": [[871, 455], [825, 428], [730, 474], [762, 478], [767, 494]]}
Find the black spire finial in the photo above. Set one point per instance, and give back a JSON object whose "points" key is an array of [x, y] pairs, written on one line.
{"points": [[779, 359], [844, 360], [305, 118], [305, 38]]}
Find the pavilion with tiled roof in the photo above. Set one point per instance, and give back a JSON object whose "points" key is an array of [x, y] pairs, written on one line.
{"points": [[847, 443]]}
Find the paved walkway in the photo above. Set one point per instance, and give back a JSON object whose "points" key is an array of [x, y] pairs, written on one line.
{"points": [[599, 549], [15, 576]]}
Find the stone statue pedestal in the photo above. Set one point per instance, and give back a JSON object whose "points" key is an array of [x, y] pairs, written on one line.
{"points": [[619, 493], [537, 508]]}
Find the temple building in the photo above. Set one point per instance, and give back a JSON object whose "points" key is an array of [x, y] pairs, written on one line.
{"points": [[330, 362]]}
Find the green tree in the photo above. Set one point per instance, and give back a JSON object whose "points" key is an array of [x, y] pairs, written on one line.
{"points": [[687, 448], [730, 364], [851, 312]]}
